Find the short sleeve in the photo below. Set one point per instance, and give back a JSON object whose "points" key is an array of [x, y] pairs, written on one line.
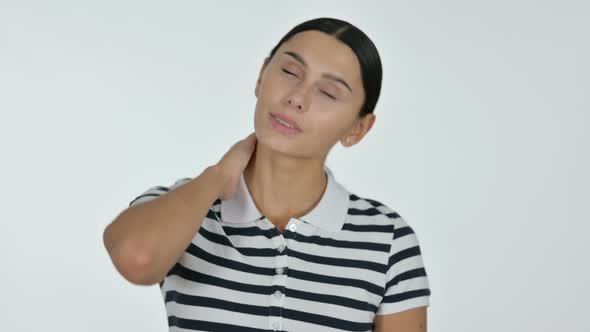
{"points": [[156, 191], [407, 284]]}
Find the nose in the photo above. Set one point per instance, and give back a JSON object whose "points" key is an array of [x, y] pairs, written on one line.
{"points": [[291, 102], [298, 99]]}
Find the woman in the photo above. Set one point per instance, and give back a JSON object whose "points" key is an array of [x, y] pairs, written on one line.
{"points": [[267, 239]]}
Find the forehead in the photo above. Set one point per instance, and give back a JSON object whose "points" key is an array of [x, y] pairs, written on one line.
{"points": [[324, 53]]}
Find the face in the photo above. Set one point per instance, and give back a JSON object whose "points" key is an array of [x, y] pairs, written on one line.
{"points": [[313, 80]]}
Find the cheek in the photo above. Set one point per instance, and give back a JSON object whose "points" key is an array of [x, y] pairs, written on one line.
{"points": [[274, 86], [327, 128]]}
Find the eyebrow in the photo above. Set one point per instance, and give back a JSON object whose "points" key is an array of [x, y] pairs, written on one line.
{"points": [[333, 77]]}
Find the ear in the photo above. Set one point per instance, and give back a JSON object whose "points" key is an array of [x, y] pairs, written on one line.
{"points": [[359, 129], [260, 75]]}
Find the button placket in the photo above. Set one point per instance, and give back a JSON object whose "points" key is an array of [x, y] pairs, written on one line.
{"points": [[279, 282], [280, 270], [292, 227], [279, 242], [277, 300]]}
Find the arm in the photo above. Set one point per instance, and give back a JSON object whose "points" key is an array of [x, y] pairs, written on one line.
{"points": [[148, 238], [406, 292], [412, 320]]}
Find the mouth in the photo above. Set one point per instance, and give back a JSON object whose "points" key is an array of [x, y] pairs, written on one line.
{"points": [[285, 121], [285, 127]]}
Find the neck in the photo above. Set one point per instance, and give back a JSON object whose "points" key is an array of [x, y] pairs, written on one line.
{"points": [[282, 186]]}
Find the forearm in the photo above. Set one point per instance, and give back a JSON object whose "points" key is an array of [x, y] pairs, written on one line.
{"points": [[146, 240]]}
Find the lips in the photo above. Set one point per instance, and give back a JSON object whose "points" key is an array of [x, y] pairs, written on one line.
{"points": [[288, 120]]}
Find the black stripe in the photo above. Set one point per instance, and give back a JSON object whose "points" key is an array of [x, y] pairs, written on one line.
{"points": [[373, 202], [228, 263], [352, 263], [403, 254], [415, 273], [256, 231], [330, 242], [323, 320], [222, 240], [211, 215], [364, 212], [367, 228], [393, 215], [192, 324], [406, 295], [355, 197], [211, 302], [402, 231], [144, 195], [195, 276], [249, 231], [362, 284], [332, 299]]}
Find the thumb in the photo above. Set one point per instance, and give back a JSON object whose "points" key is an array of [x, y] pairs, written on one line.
{"points": [[251, 139]]}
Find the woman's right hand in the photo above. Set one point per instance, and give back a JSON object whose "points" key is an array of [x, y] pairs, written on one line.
{"points": [[233, 163]]}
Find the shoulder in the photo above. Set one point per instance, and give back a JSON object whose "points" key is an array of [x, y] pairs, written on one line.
{"points": [[406, 283], [395, 232], [366, 206], [157, 190]]}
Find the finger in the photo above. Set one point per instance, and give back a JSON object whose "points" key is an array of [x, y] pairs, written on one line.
{"points": [[251, 138]]}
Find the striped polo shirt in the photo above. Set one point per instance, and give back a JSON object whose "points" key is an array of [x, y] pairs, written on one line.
{"points": [[350, 258]]}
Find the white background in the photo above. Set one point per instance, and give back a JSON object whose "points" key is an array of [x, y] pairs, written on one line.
{"points": [[481, 143]]}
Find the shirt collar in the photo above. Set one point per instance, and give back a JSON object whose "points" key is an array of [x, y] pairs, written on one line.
{"points": [[329, 214]]}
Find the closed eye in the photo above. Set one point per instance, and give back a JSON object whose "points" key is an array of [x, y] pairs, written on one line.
{"points": [[329, 95], [288, 72]]}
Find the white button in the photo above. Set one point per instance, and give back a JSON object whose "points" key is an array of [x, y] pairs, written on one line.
{"points": [[280, 270], [281, 247], [278, 294], [275, 326], [292, 227]]}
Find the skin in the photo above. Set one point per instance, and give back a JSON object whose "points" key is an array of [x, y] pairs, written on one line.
{"points": [[293, 180], [412, 320], [285, 173]]}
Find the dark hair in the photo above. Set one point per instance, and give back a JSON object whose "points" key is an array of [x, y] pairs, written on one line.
{"points": [[360, 43]]}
